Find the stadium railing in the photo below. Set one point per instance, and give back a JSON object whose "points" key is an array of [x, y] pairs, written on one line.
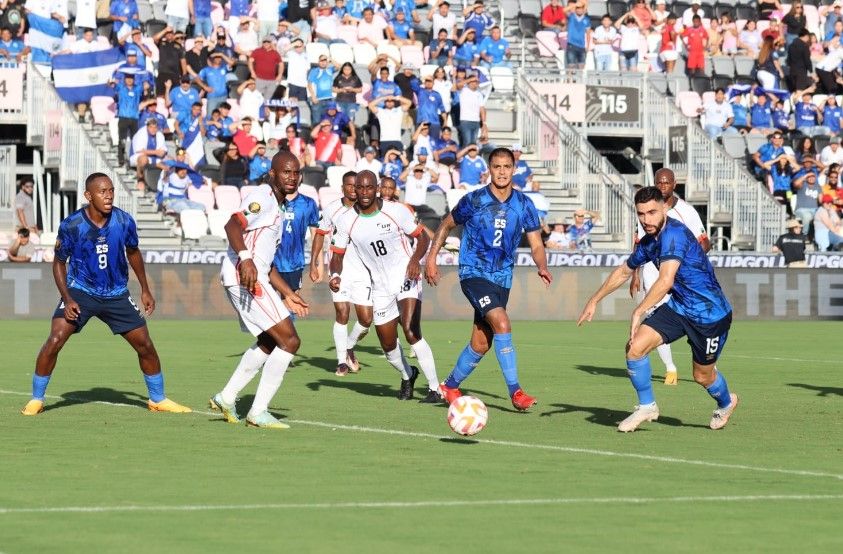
{"points": [[79, 156], [580, 168]]}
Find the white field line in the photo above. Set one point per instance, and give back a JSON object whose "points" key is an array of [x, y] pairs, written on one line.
{"points": [[511, 444], [424, 504]]}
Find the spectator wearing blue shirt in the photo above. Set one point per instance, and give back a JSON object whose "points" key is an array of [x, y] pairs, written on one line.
{"points": [[467, 52], [134, 42], [494, 50], [579, 29], [761, 115], [149, 111], [341, 125], [394, 162], [133, 65], [181, 98], [832, 114], [214, 81], [444, 148], [259, 165], [320, 85], [808, 116], [781, 119], [383, 86], [431, 108], [522, 177], [213, 125], [202, 26], [186, 121], [473, 168], [400, 31], [129, 95], [477, 19], [580, 232], [228, 125], [123, 12], [442, 49], [776, 164], [11, 48]]}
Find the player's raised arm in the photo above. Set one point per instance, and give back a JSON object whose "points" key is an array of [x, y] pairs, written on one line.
{"points": [[431, 269], [135, 258], [234, 233], [617, 278], [534, 238]]}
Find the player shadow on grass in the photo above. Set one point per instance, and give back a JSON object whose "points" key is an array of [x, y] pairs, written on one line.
{"points": [[821, 391], [611, 418], [617, 372], [99, 394], [360, 387]]}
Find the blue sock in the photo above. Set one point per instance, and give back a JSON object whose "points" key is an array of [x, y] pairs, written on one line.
{"points": [[39, 386], [719, 391], [640, 373], [466, 363], [506, 359], [155, 386]]}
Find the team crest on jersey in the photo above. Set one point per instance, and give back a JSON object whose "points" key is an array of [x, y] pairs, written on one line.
{"points": [[254, 207]]}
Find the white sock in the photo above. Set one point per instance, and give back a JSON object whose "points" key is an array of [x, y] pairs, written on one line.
{"points": [[340, 339], [424, 355], [248, 367], [356, 335], [273, 373], [667, 357], [398, 361]]}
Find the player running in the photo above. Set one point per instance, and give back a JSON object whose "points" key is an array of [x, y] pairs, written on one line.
{"points": [[356, 284], [378, 231], [250, 282], [684, 212], [95, 247], [300, 212], [697, 309], [493, 218]]}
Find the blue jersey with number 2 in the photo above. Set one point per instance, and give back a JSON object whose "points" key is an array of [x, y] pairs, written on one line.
{"points": [[96, 256], [299, 213], [491, 233], [696, 294]]}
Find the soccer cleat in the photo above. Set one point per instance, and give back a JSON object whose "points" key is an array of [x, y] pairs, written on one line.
{"points": [[342, 370], [671, 378], [406, 390], [33, 407], [265, 420], [641, 414], [522, 401], [721, 416], [433, 397], [449, 394], [168, 405], [229, 411], [351, 361]]}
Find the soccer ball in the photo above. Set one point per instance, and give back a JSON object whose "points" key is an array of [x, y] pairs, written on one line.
{"points": [[467, 415]]}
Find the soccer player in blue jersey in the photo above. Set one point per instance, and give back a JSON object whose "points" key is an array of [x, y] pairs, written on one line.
{"points": [[493, 219], [697, 309], [95, 247], [300, 212]]}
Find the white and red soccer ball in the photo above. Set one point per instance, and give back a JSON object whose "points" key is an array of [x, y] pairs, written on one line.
{"points": [[467, 415]]}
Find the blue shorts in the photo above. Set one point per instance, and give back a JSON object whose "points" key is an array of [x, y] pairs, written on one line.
{"points": [[292, 278], [484, 296], [120, 313], [706, 339]]}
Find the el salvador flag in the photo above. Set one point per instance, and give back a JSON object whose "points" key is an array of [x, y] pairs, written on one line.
{"points": [[44, 37], [79, 77], [194, 145]]}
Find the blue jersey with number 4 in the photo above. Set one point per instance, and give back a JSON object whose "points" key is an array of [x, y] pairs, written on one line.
{"points": [[695, 294], [299, 213], [96, 256], [491, 233]]}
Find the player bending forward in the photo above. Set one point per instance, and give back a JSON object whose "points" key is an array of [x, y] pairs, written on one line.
{"points": [[493, 219], [95, 247], [378, 231], [250, 284], [697, 309], [356, 285], [680, 210]]}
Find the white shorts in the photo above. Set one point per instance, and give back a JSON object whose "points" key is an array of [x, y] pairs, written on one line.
{"points": [[649, 275], [386, 305], [669, 56], [354, 289], [260, 311]]}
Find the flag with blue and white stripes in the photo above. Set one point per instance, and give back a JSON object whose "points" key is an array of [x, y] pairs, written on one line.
{"points": [[44, 37], [80, 77]]}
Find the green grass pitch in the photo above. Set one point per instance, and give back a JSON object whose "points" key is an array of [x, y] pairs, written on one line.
{"points": [[360, 471]]}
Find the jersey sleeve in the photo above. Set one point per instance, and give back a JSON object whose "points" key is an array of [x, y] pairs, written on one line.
{"points": [[694, 223], [313, 215], [340, 241], [131, 232], [64, 242], [463, 211], [406, 220], [325, 223], [255, 211], [638, 257], [530, 217], [674, 245]]}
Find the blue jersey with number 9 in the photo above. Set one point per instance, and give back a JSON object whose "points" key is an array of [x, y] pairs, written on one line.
{"points": [[97, 256], [491, 233]]}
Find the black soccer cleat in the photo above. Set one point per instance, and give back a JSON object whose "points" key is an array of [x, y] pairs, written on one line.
{"points": [[433, 397], [406, 390]]}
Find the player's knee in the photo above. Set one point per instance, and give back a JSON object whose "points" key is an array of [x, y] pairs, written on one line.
{"points": [[704, 375], [365, 320], [292, 344], [412, 336], [636, 350], [342, 314], [54, 343], [145, 348]]}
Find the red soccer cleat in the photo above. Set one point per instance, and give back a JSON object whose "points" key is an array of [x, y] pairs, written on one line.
{"points": [[522, 401], [448, 393]]}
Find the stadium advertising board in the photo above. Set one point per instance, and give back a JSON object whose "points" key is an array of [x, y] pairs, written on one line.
{"points": [[193, 291], [606, 104]]}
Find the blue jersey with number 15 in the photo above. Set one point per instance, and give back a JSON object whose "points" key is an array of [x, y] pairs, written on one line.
{"points": [[96, 256], [491, 233], [299, 213]]}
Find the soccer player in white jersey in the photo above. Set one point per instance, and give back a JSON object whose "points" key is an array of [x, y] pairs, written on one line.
{"points": [[379, 232], [252, 285], [684, 212], [356, 283]]}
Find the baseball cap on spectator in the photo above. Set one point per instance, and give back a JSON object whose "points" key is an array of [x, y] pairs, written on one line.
{"points": [[215, 55], [835, 140], [370, 149], [331, 106], [423, 151], [409, 66], [790, 223], [131, 52], [220, 36], [827, 199]]}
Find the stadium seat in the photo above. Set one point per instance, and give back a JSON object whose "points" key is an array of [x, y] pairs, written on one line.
{"points": [[246, 190], [161, 107], [502, 79], [194, 224], [528, 24], [734, 145], [316, 49], [390, 50], [444, 182], [364, 53], [204, 195], [335, 174], [547, 43], [209, 147], [745, 11], [349, 156], [216, 223], [723, 66], [103, 109], [228, 198], [313, 176], [689, 102], [754, 141], [341, 53], [348, 33], [328, 195], [700, 84], [437, 202], [412, 55], [453, 196], [310, 192], [616, 9]]}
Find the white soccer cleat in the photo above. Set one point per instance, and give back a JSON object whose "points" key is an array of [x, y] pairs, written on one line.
{"points": [[642, 413], [721, 416]]}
